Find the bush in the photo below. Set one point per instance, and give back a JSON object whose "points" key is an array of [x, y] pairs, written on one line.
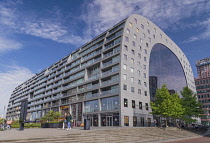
{"points": [[27, 125], [51, 116]]}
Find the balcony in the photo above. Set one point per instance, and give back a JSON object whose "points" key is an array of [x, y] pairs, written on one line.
{"points": [[89, 96], [111, 62], [94, 76], [113, 91], [108, 82], [110, 71], [112, 52]]}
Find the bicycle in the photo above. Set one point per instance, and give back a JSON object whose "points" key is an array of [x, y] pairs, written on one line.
{"points": [[1, 127], [5, 127]]}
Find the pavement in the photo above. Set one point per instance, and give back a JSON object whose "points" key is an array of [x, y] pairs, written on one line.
{"points": [[98, 135]]}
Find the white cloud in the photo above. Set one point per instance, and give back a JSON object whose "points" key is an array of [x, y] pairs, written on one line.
{"points": [[204, 35], [35, 24], [101, 15], [8, 45], [10, 79]]}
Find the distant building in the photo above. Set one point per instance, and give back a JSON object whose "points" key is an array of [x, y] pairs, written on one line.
{"points": [[203, 88], [107, 79], [153, 86], [172, 91]]}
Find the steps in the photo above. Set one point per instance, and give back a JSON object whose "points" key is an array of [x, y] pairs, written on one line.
{"points": [[121, 134]]}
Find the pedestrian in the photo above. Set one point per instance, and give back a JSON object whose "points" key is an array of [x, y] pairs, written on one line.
{"points": [[68, 120]]}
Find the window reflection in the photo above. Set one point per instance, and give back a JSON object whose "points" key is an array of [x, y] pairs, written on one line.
{"points": [[91, 106], [111, 103], [165, 68]]}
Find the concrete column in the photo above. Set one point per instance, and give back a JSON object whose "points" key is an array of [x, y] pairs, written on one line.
{"points": [[99, 120]]}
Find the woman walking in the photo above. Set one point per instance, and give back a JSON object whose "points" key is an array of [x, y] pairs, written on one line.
{"points": [[68, 120]]}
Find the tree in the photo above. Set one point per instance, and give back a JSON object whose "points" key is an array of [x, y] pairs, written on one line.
{"points": [[57, 115], [192, 107], [50, 116], [166, 105]]}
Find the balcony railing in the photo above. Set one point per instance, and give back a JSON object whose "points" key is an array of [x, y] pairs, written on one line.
{"points": [[113, 91], [110, 71], [111, 62], [88, 96], [110, 81]]}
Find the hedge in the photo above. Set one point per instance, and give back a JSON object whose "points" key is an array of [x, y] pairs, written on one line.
{"points": [[26, 125]]}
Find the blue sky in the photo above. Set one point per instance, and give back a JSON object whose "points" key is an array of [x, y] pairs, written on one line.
{"points": [[34, 34]]}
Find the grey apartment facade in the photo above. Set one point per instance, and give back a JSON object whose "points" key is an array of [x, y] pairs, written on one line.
{"points": [[107, 79]]}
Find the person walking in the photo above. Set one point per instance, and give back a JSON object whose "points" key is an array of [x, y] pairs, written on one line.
{"points": [[68, 120]]}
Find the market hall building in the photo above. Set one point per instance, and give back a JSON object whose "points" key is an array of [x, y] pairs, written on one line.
{"points": [[109, 78]]}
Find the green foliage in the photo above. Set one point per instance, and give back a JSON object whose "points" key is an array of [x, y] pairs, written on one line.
{"points": [[1, 120], [51, 116], [171, 106], [27, 125], [166, 105], [192, 107]]}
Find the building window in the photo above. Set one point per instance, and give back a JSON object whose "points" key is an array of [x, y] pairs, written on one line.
{"points": [[154, 36], [142, 26], [125, 77], [139, 73], [140, 48], [144, 35], [146, 106], [145, 51], [130, 24], [140, 105], [134, 36], [124, 66], [133, 43], [148, 31], [125, 56], [145, 84], [135, 20], [149, 39], [133, 52], [124, 87], [126, 48], [132, 89], [132, 70], [137, 30], [161, 36], [126, 120], [154, 30], [145, 67], [125, 102], [144, 75], [127, 39], [128, 31], [138, 63], [141, 40], [132, 60], [145, 59], [133, 104], [139, 56], [147, 45], [147, 23], [139, 82], [132, 79], [145, 93], [139, 91]]}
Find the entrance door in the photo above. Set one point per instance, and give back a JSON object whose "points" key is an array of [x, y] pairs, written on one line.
{"points": [[109, 120], [91, 121]]}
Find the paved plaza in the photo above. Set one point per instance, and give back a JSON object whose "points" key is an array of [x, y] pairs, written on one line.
{"points": [[96, 135]]}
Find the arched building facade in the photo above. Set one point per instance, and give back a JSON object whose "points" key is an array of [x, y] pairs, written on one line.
{"points": [[111, 79]]}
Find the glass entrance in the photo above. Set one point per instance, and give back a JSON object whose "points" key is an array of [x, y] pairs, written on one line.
{"points": [[109, 121], [91, 121]]}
